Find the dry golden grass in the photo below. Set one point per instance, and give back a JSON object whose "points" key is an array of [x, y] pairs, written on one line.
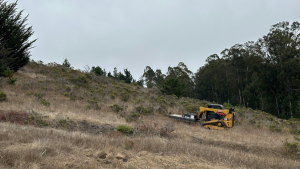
{"points": [[62, 144]]}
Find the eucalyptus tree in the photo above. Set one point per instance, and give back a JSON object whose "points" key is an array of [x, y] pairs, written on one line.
{"points": [[185, 76], [282, 44], [149, 76]]}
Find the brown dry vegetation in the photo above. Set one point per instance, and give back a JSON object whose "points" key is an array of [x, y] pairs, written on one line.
{"points": [[56, 117]]}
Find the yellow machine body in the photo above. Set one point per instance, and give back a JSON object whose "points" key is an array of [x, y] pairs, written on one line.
{"points": [[216, 118]]}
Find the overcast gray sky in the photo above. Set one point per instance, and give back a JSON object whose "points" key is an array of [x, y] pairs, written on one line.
{"points": [[134, 34]]}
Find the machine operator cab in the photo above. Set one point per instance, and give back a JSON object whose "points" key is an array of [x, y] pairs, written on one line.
{"points": [[215, 106], [211, 115]]}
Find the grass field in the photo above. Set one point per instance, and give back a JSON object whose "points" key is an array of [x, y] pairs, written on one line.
{"points": [[56, 117]]}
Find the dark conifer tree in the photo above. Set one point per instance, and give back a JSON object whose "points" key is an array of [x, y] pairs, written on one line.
{"points": [[14, 37]]}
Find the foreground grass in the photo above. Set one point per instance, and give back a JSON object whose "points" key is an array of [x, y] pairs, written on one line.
{"points": [[32, 147]]}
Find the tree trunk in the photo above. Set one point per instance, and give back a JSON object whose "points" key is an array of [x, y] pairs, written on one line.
{"points": [[262, 102], [277, 106], [291, 111], [240, 96]]}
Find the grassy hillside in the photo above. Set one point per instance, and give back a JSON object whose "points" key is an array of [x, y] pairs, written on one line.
{"points": [[57, 117]]}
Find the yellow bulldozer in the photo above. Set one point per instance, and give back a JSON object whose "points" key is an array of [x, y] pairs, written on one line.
{"points": [[214, 116]]}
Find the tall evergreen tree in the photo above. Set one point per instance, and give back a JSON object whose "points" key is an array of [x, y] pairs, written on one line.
{"points": [[98, 71], [128, 77], [14, 37]]}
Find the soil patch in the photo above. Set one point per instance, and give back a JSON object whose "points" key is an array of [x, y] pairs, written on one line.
{"points": [[33, 118]]}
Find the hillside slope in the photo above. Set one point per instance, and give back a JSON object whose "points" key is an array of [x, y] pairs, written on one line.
{"points": [[56, 117]]}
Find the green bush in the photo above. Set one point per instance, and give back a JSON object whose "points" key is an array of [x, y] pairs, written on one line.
{"points": [[290, 147], [38, 95], [41, 123], [112, 96], [68, 88], [135, 115], [63, 122], [36, 119], [132, 117], [66, 94], [142, 110], [116, 108], [124, 96], [9, 73], [189, 107], [161, 100], [3, 96], [12, 80], [44, 102], [296, 138], [125, 129], [79, 80], [269, 117]]}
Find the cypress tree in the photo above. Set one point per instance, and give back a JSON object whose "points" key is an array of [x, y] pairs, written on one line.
{"points": [[14, 37]]}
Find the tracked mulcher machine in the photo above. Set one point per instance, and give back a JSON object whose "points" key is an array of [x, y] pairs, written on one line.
{"points": [[214, 116]]}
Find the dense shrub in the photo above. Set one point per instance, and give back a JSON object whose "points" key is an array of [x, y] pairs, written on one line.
{"points": [[116, 108], [142, 110], [125, 129], [39, 95], [290, 147], [296, 138], [124, 96], [68, 88], [79, 80], [44, 102], [3, 96], [132, 116], [9, 73]]}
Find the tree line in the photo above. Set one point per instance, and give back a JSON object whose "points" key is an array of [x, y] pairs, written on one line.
{"points": [[261, 75]]}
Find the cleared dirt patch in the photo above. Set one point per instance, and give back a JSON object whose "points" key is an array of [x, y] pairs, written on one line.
{"points": [[83, 126], [33, 118], [12, 116]]}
